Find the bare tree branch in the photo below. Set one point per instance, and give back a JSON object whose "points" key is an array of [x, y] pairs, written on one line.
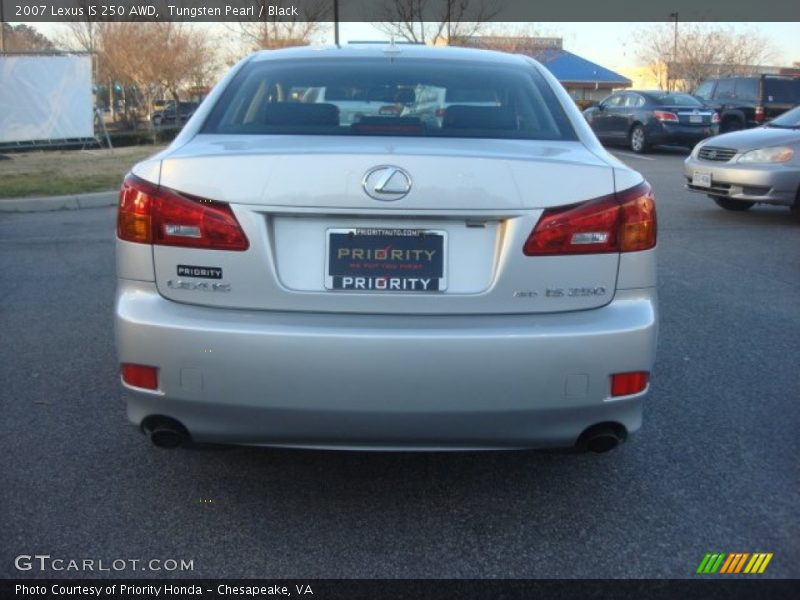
{"points": [[702, 51], [434, 21], [280, 32]]}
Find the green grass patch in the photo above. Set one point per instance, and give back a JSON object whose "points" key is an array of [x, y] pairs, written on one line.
{"points": [[52, 183]]}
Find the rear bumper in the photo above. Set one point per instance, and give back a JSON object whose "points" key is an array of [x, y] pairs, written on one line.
{"points": [[385, 381], [680, 135], [773, 184]]}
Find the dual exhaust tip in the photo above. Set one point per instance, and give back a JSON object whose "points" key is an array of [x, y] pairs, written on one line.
{"points": [[166, 432], [602, 437]]}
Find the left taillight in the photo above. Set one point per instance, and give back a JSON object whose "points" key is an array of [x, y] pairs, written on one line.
{"points": [[622, 222], [664, 115], [150, 214]]}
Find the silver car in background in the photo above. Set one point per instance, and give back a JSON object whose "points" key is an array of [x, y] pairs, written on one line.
{"points": [[742, 168], [289, 279]]}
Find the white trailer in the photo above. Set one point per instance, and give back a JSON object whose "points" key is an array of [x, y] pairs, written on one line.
{"points": [[45, 98]]}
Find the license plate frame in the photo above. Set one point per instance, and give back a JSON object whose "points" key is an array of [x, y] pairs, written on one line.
{"points": [[701, 178], [378, 267]]}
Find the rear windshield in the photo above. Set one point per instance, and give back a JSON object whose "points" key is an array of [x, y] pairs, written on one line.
{"points": [[786, 91], [678, 100], [414, 97]]}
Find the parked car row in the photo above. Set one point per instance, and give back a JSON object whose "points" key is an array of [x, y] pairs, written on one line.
{"points": [[756, 159]]}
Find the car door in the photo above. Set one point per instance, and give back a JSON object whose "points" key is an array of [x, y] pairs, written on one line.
{"points": [[619, 116], [725, 95], [603, 116], [630, 110]]}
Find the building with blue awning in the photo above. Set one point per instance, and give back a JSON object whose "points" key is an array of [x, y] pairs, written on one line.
{"points": [[584, 80]]}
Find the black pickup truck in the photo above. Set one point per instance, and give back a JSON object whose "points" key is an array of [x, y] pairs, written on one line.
{"points": [[744, 102]]}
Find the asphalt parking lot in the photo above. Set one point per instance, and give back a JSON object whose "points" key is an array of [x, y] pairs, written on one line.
{"points": [[714, 469]]}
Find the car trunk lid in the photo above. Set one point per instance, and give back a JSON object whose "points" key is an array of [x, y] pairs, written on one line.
{"points": [[293, 195]]}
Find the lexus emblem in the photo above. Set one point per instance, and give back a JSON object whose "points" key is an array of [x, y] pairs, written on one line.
{"points": [[386, 183], [712, 154]]}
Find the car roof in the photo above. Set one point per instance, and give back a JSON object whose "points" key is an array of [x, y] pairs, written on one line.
{"points": [[396, 51]]}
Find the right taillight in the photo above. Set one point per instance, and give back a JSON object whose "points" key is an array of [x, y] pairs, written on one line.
{"points": [[150, 214], [759, 114], [621, 222]]}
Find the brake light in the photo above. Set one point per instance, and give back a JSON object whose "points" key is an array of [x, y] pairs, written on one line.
{"points": [[142, 376], [662, 115], [622, 222], [150, 214], [625, 384], [759, 114], [715, 118]]}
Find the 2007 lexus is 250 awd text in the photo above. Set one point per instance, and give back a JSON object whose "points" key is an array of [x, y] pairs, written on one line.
{"points": [[386, 247]]}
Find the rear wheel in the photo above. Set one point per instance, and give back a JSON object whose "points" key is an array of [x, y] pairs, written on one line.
{"points": [[734, 205], [729, 125], [639, 140]]}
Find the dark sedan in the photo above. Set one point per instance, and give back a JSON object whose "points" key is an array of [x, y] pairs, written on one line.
{"points": [[642, 119], [173, 113]]}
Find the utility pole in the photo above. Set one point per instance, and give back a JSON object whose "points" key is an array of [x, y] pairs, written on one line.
{"points": [[674, 47], [2, 29], [336, 22], [449, 8]]}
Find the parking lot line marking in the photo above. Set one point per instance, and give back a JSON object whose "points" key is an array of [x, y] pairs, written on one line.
{"points": [[633, 155]]}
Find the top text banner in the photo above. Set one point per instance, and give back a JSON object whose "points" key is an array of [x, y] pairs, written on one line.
{"points": [[390, 10]]}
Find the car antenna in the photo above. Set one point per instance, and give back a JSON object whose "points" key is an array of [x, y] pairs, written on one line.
{"points": [[392, 49]]}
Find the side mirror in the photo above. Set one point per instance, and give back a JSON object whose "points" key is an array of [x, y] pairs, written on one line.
{"points": [[601, 106]]}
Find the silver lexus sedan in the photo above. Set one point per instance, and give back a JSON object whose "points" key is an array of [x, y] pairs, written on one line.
{"points": [[482, 281], [742, 168]]}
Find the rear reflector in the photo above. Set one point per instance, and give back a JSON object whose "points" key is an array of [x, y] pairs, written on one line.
{"points": [[625, 384], [622, 222], [140, 376], [150, 214]]}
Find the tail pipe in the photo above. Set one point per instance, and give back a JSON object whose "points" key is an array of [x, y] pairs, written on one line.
{"points": [[165, 432], [602, 437]]}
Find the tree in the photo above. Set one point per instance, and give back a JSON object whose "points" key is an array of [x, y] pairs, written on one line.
{"points": [[275, 31], [24, 38], [154, 57], [434, 21], [701, 51]]}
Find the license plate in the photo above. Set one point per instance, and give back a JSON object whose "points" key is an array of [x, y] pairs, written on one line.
{"points": [[386, 260], [701, 179], [695, 118]]}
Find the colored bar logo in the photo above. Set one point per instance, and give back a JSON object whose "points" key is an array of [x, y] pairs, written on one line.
{"points": [[733, 563]]}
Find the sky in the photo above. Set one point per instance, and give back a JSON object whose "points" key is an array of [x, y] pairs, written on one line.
{"points": [[612, 45]]}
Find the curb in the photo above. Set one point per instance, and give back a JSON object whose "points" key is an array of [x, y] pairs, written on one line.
{"points": [[49, 203]]}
